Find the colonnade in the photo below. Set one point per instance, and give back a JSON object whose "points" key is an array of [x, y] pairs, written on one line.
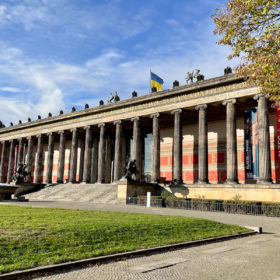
{"points": [[97, 169]]}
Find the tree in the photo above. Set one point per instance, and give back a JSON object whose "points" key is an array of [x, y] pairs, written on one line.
{"points": [[252, 29]]}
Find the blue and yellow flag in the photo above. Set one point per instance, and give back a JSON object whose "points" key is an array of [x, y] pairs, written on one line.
{"points": [[156, 82]]}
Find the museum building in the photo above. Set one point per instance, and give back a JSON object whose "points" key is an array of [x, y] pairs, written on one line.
{"points": [[214, 138]]}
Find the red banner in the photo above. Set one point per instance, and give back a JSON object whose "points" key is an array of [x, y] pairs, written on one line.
{"points": [[278, 138]]}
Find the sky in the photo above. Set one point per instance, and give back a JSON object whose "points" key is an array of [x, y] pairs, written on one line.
{"points": [[56, 54]]}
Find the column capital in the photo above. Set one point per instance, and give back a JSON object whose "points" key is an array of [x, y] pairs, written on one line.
{"points": [[50, 133], [101, 125], [11, 140], [30, 137], [258, 96], [154, 115], [73, 129], [201, 107], [3, 142], [135, 119], [117, 122], [20, 139], [39, 136], [179, 111], [229, 101], [87, 127], [61, 132]]}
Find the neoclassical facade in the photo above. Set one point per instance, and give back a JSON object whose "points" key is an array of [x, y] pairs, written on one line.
{"points": [[193, 135]]}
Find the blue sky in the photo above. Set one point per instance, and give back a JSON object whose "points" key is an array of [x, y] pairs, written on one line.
{"points": [[55, 54]]}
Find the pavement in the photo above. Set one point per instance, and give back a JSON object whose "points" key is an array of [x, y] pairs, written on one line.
{"points": [[255, 257]]}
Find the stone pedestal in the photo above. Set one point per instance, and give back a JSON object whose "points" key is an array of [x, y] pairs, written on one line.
{"points": [[131, 189]]}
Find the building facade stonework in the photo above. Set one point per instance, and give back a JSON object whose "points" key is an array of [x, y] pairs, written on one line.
{"points": [[197, 141]]}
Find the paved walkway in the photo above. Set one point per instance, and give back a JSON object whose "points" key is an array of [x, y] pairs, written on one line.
{"points": [[256, 257]]}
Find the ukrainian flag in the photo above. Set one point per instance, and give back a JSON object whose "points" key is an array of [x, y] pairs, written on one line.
{"points": [[156, 82]]}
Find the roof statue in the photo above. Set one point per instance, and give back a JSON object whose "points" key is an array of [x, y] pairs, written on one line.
{"points": [[195, 74], [113, 98], [110, 100], [189, 77]]}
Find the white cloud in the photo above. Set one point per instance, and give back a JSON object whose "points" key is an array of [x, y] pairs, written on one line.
{"points": [[11, 89], [27, 15], [41, 94]]}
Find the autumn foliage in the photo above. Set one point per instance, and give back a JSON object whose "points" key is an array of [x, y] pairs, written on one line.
{"points": [[252, 29]]}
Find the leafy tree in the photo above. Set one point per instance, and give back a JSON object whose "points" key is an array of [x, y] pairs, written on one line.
{"points": [[252, 29]]}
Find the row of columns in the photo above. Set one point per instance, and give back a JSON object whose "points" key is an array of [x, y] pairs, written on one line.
{"points": [[96, 168]]}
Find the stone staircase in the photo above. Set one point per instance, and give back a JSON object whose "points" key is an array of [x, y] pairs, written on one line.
{"points": [[96, 193]]}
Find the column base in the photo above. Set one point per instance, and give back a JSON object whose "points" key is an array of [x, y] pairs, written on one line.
{"points": [[231, 181], [101, 182], [202, 182], [264, 181], [85, 182]]}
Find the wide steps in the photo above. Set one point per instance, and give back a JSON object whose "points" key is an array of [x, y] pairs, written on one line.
{"points": [[96, 193]]}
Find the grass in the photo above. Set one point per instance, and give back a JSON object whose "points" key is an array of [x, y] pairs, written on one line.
{"points": [[31, 237]]}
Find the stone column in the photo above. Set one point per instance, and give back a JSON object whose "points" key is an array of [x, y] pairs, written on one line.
{"points": [[87, 155], [108, 161], [124, 153], [202, 144], [61, 157], [94, 160], [231, 141], [155, 176], [11, 162], [29, 158], [73, 156], [20, 152], [81, 145], [264, 140], [137, 148], [24, 151], [101, 154], [50, 158], [39, 159], [2, 164], [118, 151], [177, 147]]}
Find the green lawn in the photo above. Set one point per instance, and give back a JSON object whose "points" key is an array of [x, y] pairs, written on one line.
{"points": [[33, 237]]}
